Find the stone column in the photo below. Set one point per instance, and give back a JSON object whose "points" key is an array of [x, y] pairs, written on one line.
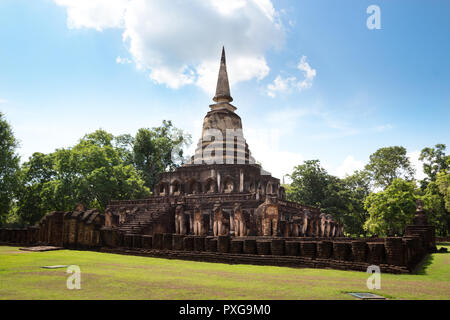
{"points": [[241, 181], [219, 189]]}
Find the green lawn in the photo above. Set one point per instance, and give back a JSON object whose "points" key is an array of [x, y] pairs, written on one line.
{"points": [[111, 276]]}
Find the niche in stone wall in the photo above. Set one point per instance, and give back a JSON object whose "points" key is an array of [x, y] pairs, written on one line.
{"points": [[228, 185], [194, 187], [162, 189], [210, 186], [176, 188]]}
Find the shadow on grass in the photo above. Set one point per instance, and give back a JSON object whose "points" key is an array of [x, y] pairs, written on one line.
{"points": [[443, 244], [424, 264]]}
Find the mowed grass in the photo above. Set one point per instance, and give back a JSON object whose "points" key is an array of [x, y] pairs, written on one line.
{"points": [[112, 276]]}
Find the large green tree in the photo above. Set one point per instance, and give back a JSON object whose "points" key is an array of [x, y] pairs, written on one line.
{"points": [[388, 164], [443, 183], [434, 161], [309, 183], [157, 150], [358, 186], [434, 205], [33, 198], [92, 172], [342, 198], [436, 186], [9, 165], [392, 209]]}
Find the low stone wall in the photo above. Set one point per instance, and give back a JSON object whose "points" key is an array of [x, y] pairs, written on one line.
{"points": [[77, 229], [392, 254]]}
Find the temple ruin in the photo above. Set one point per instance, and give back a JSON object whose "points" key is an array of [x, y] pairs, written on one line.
{"points": [[223, 206]]}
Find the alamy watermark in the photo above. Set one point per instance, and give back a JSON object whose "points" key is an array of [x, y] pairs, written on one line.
{"points": [[229, 147], [374, 20], [74, 280], [374, 280]]}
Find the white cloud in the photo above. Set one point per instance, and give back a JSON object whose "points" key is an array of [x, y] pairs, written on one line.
{"points": [[2, 101], [121, 60], [383, 127], [283, 85], [416, 164], [96, 14], [265, 147], [178, 42], [349, 166], [309, 73]]}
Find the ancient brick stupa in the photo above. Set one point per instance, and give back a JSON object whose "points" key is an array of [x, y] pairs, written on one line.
{"points": [[221, 190], [420, 227]]}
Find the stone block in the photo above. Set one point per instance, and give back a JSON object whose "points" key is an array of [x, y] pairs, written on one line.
{"points": [[167, 241], [359, 250], [249, 246], [177, 242], [308, 249], [199, 243], [137, 241], [223, 244], [157, 241], [188, 243], [277, 247], [324, 249], [236, 246], [146, 242], [263, 247], [292, 248]]}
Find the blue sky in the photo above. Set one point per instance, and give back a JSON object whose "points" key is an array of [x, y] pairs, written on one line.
{"points": [[309, 79]]}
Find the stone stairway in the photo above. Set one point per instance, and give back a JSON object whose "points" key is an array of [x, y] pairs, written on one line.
{"points": [[137, 222]]}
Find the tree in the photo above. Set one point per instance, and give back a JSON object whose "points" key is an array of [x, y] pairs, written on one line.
{"points": [[434, 161], [93, 172], [443, 184], [33, 199], [359, 187], [434, 205], [388, 164], [342, 198], [157, 150], [392, 209], [309, 183], [9, 166]]}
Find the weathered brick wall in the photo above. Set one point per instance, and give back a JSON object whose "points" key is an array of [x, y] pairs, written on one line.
{"points": [[392, 254], [68, 229]]}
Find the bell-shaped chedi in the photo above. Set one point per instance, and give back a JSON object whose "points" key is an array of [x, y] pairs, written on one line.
{"points": [[222, 140], [420, 219]]}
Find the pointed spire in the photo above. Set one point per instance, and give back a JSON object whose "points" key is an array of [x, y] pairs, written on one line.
{"points": [[223, 87]]}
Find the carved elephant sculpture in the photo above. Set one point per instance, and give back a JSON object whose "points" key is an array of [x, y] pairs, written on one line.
{"points": [[221, 224], [241, 221], [180, 220]]}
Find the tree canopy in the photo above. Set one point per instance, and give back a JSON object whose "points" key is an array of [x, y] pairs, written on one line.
{"points": [[99, 168], [434, 161], [392, 209], [157, 150], [9, 165], [92, 172], [342, 198], [388, 164], [355, 202]]}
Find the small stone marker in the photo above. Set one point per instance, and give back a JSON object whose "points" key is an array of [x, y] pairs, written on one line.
{"points": [[41, 248], [55, 267], [366, 296]]}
